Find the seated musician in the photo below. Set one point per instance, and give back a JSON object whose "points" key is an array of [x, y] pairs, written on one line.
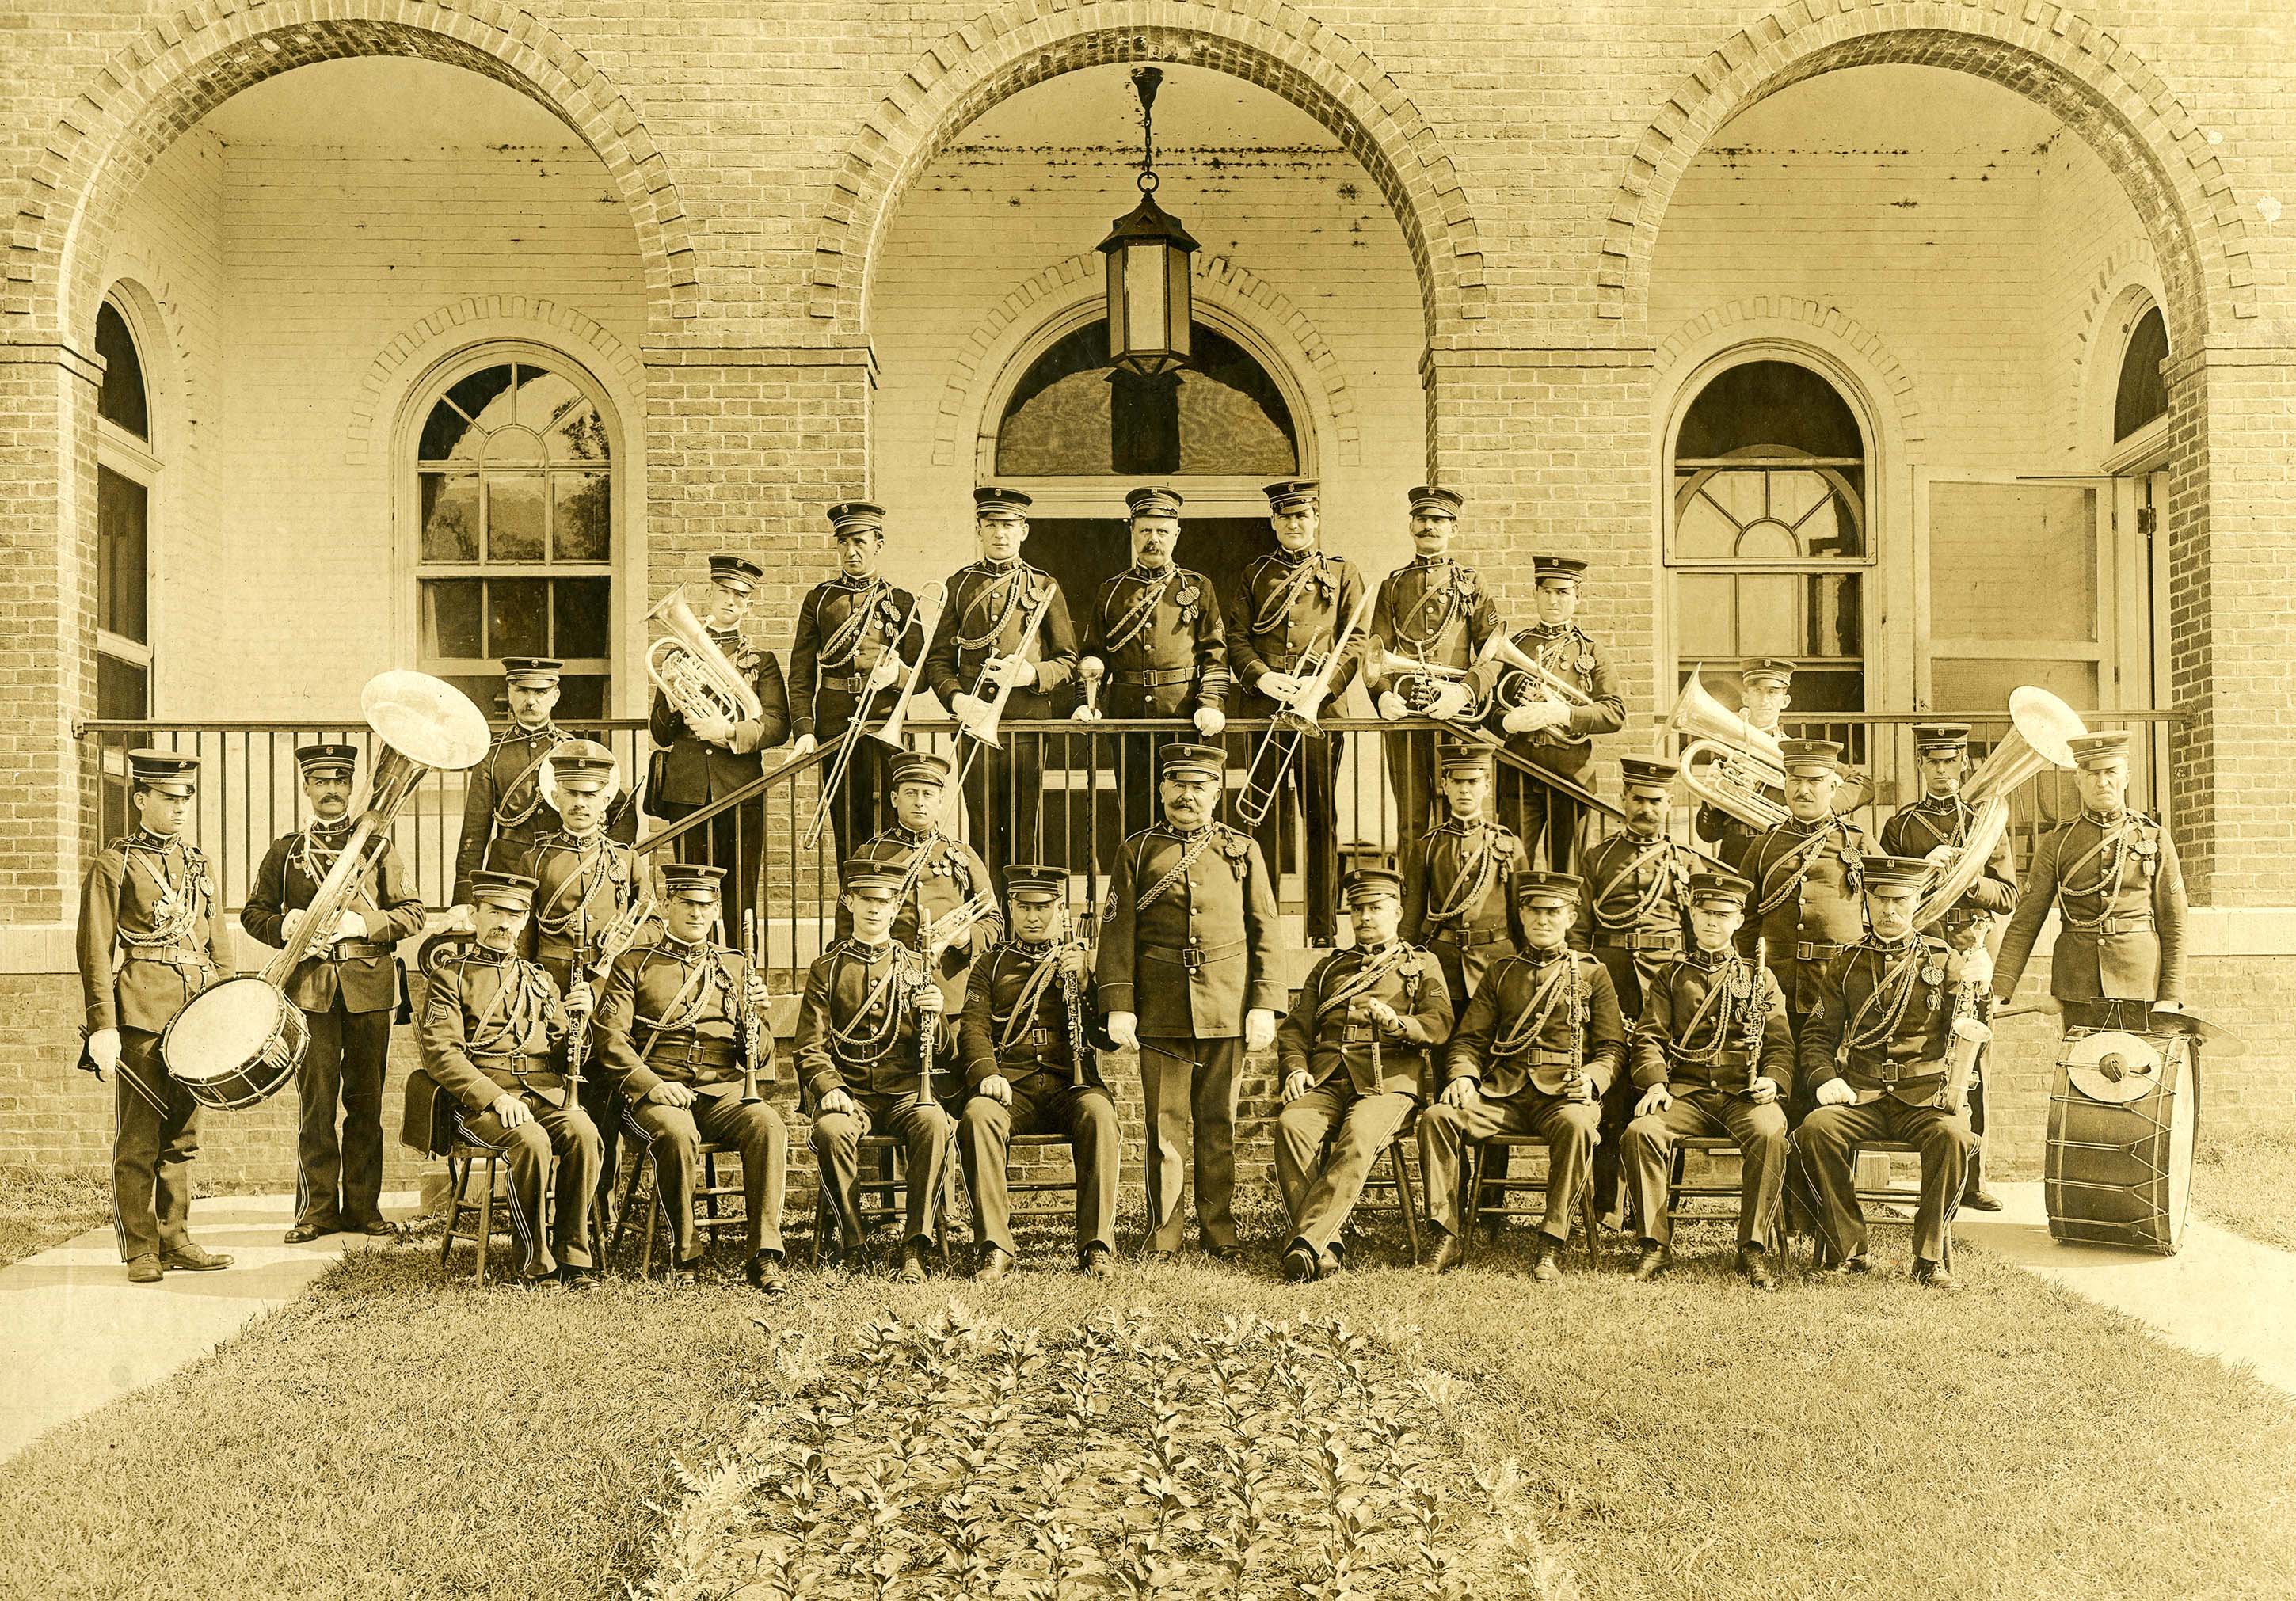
{"points": [[1538, 1045], [937, 873], [494, 1037], [1354, 1052], [1712, 1055], [681, 1028], [872, 1020], [1028, 1075], [1872, 1051]]}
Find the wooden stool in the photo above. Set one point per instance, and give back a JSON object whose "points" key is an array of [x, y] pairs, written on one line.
{"points": [[889, 1193], [709, 1192], [1479, 1183], [462, 1154]]}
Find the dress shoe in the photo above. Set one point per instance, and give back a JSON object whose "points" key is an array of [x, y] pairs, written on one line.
{"points": [[1859, 1263], [764, 1273], [1651, 1260], [303, 1234], [1332, 1264], [1155, 1256], [1544, 1268], [1095, 1263], [579, 1279], [191, 1257], [1756, 1266], [682, 1274], [912, 1263], [1982, 1200], [994, 1262], [1300, 1263], [1448, 1255], [1221, 1253], [1934, 1275], [378, 1228], [535, 1284], [144, 1270]]}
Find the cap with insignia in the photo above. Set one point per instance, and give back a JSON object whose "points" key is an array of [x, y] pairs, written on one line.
{"points": [[1462, 755], [737, 573], [918, 767], [584, 765], [164, 771], [690, 880], [1767, 670], [1541, 888], [1195, 761], [1929, 737], [1370, 883], [512, 892], [867, 872], [849, 518], [1034, 881], [1894, 875], [313, 759], [532, 672], [1543, 568], [1154, 501], [1719, 889], [1647, 772], [2094, 750], [1289, 494], [993, 500], [1804, 756], [1429, 500]]}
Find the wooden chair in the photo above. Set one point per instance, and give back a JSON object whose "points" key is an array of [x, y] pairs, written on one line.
{"points": [[885, 1196], [462, 1153], [709, 1194], [1480, 1183], [1888, 1194]]}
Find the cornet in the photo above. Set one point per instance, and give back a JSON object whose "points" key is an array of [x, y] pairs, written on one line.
{"points": [[1415, 680], [1529, 679], [686, 666]]}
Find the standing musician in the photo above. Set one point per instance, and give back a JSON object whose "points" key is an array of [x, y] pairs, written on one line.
{"points": [[2111, 876], [1712, 1055], [982, 641], [1354, 1052], [699, 763], [870, 1014], [1456, 899], [1431, 610], [494, 1037], [681, 1031], [1294, 601], [1934, 827], [1873, 1052], [151, 938], [1764, 690], [855, 635], [1539, 1044], [1187, 962], [1030, 1073], [502, 803], [1548, 730], [937, 877], [1156, 629], [346, 987]]}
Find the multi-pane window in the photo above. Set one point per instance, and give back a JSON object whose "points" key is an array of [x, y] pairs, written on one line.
{"points": [[2143, 394], [124, 471], [515, 496], [1075, 415]]}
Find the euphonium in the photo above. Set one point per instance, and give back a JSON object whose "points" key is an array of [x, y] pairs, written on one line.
{"points": [[2042, 728], [1729, 764], [686, 666]]}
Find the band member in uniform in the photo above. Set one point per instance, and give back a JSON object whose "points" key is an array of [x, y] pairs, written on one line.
{"points": [[869, 1006], [851, 645], [937, 877], [151, 938], [707, 762], [1458, 878], [1874, 1053], [1029, 1074], [1354, 1053], [1187, 962], [502, 804], [1294, 601], [1934, 827], [681, 1031], [983, 639], [1539, 1044], [2111, 876], [1548, 730], [1435, 610], [1766, 689], [346, 987], [494, 1036], [1156, 630], [1712, 1055]]}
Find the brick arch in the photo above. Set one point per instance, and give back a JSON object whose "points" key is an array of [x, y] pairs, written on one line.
{"points": [[1789, 316], [2062, 62], [1275, 45], [1219, 281], [153, 90]]}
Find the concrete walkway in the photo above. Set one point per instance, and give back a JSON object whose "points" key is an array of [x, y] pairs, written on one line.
{"points": [[75, 1335], [2223, 1294]]}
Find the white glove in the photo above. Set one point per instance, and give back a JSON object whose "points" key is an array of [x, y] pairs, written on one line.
{"points": [[462, 919], [1084, 713], [1209, 720], [1280, 686], [350, 925], [1391, 706], [968, 708], [1836, 1092], [1763, 1092], [1461, 1094], [803, 744], [1295, 1084], [1976, 967], [294, 920], [997, 1088], [710, 730], [103, 1051], [836, 1103], [1451, 699], [1259, 1028], [1538, 715], [1655, 1099], [1018, 671], [1124, 1030], [510, 1111], [886, 671]]}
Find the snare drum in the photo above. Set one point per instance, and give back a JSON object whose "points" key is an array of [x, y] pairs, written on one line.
{"points": [[2123, 1122], [235, 1043]]}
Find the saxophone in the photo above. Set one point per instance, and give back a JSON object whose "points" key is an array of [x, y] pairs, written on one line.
{"points": [[1973, 1004]]}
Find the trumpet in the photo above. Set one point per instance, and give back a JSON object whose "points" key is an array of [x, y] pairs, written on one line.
{"points": [[1528, 680], [686, 666], [2042, 729], [1295, 717], [891, 733]]}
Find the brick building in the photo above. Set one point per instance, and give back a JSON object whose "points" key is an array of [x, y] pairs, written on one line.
{"points": [[1944, 347]]}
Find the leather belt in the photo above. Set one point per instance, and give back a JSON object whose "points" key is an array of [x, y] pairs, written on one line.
{"points": [[1817, 950], [696, 1052], [2125, 922], [1192, 956], [1034, 1038], [1357, 1033], [1473, 938], [1646, 939], [174, 956], [838, 683], [347, 950], [1155, 678], [520, 1066], [1893, 1072]]}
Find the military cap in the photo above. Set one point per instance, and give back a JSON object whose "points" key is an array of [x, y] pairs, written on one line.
{"points": [[166, 771], [1034, 881], [2094, 750], [583, 765], [512, 892], [1809, 756], [1767, 669], [850, 517], [736, 572], [1725, 889], [1197, 761], [1289, 494], [1462, 755], [867, 872], [1894, 875], [691, 880], [993, 500], [1368, 883], [1543, 568], [1537, 887], [532, 672], [1647, 772], [326, 757], [1154, 501], [918, 767], [1441, 503], [1940, 736]]}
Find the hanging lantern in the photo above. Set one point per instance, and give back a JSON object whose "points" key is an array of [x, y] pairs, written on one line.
{"points": [[1148, 250]]}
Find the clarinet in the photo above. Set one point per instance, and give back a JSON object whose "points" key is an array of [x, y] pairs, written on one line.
{"points": [[927, 1035], [1758, 1012], [577, 1030], [753, 1025], [1072, 991], [1574, 1076]]}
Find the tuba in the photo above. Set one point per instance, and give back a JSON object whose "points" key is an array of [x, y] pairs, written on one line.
{"points": [[1729, 764], [2041, 731], [690, 670]]}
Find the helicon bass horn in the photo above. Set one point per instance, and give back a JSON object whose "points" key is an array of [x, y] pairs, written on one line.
{"points": [[2042, 729], [686, 666]]}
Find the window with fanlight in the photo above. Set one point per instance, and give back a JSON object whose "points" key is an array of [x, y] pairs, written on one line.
{"points": [[127, 472], [516, 542]]}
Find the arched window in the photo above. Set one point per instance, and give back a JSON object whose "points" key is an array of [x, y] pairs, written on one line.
{"points": [[2143, 394], [515, 496], [1073, 415], [125, 474], [1768, 541]]}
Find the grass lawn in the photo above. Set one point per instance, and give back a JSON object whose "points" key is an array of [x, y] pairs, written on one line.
{"points": [[390, 1436], [40, 1207], [2245, 1179]]}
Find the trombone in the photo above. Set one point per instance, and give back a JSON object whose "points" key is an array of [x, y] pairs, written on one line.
{"points": [[1295, 717], [891, 733], [983, 728]]}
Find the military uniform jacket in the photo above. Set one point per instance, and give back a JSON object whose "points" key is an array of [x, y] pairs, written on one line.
{"points": [[1571, 654], [361, 972], [1809, 884], [676, 1014], [1161, 638], [952, 874], [694, 772], [491, 1024], [1190, 943], [1933, 821], [579, 888], [856, 1028], [987, 608], [1288, 607], [1326, 1032], [1883, 1021], [149, 905], [1517, 1032], [1455, 884], [1697, 1021], [843, 630], [2121, 896], [1016, 1019], [1438, 612], [502, 808]]}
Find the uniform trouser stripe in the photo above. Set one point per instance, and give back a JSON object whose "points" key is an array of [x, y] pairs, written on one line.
{"points": [[155, 1135]]}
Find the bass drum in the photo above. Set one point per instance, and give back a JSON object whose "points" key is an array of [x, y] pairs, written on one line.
{"points": [[2124, 1122], [235, 1043]]}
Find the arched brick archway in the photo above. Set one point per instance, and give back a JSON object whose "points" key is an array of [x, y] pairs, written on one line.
{"points": [[1020, 44], [151, 91]]}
